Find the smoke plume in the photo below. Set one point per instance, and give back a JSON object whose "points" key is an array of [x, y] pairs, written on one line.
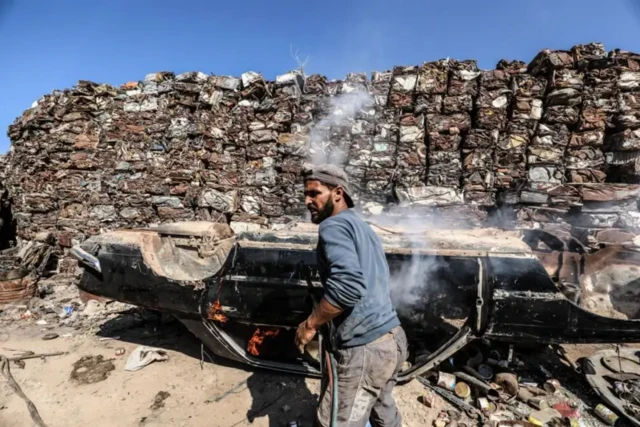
{"points": [[343, 110]]}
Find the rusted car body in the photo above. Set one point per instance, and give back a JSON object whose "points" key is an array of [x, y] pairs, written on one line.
{"points": [[244, 294]]}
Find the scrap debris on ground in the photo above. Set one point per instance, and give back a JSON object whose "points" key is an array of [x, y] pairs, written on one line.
{"points": [[540, 386]]}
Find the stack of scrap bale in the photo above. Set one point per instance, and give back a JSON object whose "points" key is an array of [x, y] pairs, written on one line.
{"points": [[554, 144]]}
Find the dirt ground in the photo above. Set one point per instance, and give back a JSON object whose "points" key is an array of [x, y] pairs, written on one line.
{"points": [[88, 386], [181, 391]]}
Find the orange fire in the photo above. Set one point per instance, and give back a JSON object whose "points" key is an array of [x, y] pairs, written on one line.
{"points": [[257, 339], [215, 312]]}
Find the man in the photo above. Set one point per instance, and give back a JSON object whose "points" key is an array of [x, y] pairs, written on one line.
{"points": [[370, 343]]}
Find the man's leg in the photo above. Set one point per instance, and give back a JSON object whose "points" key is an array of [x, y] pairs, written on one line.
{"points": [[363, 372], [385, 412]]}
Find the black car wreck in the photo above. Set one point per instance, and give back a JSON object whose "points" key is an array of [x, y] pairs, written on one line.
{"points": [[244, 294]]}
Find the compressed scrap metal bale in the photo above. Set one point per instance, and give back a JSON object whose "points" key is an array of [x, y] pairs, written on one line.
{"points": [[551, 135], [610, 192], [411, 130], [512, 66], [433, 78], [463, 78], [624, 59], [380, 87], [403, 85], [522, 127], [597, 114], [429, 196], [560, 114], [629, 80], [545, 155], [548, 61], [510, 168], [555, 194], [480, 198], [584, 54], [497, 98], [457, 104], [479, 180], [546, 173], [477, 159], [594, 138], [452, 123], [567, 79], [628, 102], [583, 176], [429, 104], [491, 80], [491, 118], [584, 158], [410, 178], [445, 168], [527, 86], [412, 150], [527, 109], [443, 142], [481, 138], [383, 155], [512, 142], [564, 96], [541, 214]]}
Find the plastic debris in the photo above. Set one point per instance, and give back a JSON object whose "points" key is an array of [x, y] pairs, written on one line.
{"points": [[143, 356]]}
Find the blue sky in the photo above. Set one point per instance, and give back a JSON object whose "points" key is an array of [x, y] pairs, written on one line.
{"points": [[47, 45]]}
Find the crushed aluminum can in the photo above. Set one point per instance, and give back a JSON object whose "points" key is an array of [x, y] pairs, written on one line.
{"points": [[463, 391], [485, 371], [447, 381], [606, 415], [483, 404]]}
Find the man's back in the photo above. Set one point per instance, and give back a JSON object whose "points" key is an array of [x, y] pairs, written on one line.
{"points": [[355, 276]]}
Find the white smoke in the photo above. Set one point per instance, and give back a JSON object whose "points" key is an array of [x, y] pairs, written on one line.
{"points": [[342, 112], [410, 281]]}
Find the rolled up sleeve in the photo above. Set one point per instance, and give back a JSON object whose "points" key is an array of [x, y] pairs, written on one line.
{"points": [[345, 280]]}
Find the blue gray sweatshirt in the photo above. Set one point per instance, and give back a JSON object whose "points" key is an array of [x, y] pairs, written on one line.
{"points": [[355, 275]]}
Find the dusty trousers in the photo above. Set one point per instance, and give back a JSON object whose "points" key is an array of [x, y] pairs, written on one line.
{"points": [[366, 377]]}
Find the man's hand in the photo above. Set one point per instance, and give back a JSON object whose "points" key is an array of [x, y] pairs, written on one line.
{"points": [[304, 335]]}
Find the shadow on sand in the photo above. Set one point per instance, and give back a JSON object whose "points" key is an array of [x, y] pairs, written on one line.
{"points": [[280, 397]]}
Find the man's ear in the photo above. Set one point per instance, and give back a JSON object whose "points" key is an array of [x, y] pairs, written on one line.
{"points": [[339, 194]]}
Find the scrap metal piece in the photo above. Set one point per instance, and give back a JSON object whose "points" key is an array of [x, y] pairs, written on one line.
{"points": [[596, 370]]}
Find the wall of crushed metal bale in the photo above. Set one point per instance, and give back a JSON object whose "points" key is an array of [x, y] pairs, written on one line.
{"points": [[537, 145]]}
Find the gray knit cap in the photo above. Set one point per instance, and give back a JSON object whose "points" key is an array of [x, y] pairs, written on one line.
{"points": [[329, 174]]}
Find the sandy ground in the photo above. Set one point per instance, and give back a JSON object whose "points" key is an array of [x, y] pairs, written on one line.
{"points": [[189, 389], [192, 390]]}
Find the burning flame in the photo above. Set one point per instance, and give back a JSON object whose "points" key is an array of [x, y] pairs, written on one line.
{"points": [[215, 312], [257, 339]]}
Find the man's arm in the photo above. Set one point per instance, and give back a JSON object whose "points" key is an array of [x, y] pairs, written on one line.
{"points": [[345, 281]]}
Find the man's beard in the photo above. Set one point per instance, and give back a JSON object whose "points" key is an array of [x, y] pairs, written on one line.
{"points": [[323, 213]]}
